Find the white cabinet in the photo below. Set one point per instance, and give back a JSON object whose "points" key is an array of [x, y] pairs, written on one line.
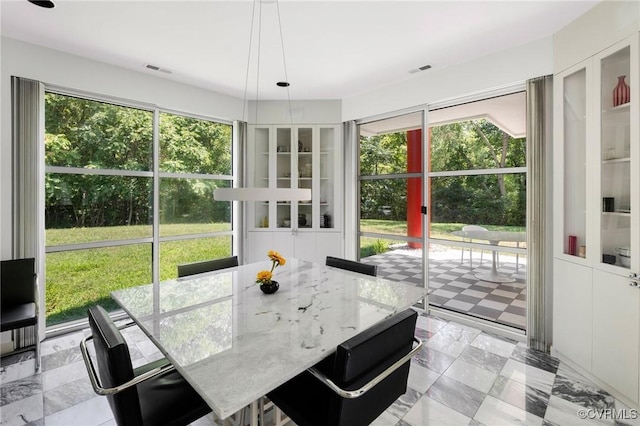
{"points": [[596, 314], [616, 332], [573, 312], [295, 157]]}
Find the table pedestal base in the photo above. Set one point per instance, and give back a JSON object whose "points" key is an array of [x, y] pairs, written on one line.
{"points": [[493, 275]]}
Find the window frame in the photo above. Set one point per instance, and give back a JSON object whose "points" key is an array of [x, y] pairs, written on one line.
{"points": [[155, 174]]}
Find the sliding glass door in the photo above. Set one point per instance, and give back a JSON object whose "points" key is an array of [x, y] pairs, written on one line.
{"points": [[457, 225], [391, 195], [477, 234]]}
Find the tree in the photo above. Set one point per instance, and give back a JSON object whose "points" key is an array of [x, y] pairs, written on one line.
{"points": [[97, 135], [467, 145]]}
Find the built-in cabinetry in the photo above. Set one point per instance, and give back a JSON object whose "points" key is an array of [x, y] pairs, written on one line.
{"points": [[596, 313], [307, 156]]}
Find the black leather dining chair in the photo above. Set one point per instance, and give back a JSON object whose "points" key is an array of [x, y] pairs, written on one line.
{"points": [[352, 265], [19, 295], [365, 375], [153, 394], [206, 266]]}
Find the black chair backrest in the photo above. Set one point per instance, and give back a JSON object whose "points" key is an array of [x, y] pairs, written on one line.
{"points": [[114, 366], [207, 266], [351, 265], [18, 281], [363, 357]]}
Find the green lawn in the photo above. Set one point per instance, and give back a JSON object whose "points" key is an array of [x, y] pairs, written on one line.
{"points": [[81, 278]]}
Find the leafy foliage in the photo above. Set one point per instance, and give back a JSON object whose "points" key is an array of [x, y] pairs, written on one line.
{"points": [[494, 199], [88, 134]]}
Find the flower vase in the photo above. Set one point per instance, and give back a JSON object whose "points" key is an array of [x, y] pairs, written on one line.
{"points": [[270, 287], [621, 93]]}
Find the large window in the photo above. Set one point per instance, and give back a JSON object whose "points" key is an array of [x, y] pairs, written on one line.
{"points": [[109, 207]]}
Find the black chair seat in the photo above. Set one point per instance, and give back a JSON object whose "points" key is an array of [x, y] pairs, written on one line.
{"points": [[168, 399], [309, 402], [18, 316]]}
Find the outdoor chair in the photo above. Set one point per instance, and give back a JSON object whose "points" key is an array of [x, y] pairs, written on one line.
{"points": [[472, 228], [353, 386]]}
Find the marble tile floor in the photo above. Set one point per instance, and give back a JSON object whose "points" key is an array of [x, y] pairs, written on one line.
{"points": [[462, 376], [453, 285]]}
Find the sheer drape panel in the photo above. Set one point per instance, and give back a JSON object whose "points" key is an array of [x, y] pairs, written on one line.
{"points": [[27, 217], [28, 178], [538, 286], [351, 209]]}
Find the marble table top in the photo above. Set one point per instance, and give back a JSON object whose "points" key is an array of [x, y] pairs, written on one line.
{"points": [[234, 344]]}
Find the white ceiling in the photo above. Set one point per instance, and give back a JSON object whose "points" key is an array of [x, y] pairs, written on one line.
{"points": [[333, 49]]}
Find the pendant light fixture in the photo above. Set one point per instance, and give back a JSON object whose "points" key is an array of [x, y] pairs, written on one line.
{"points": [[263, 194]]}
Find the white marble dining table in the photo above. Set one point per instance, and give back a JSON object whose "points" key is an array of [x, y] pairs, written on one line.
{"points": [[494, 238], [234, 344]]}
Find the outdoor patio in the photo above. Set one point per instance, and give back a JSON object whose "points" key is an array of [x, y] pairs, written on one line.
{"points": [[453, 285]]}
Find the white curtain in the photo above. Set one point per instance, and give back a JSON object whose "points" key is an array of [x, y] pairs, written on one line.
{"points": [[28, 158], [27, 218], [539, 225]]}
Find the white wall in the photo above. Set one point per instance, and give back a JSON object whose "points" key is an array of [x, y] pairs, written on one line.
{"points": [[503, 69], [602, 26], [74, 72]]}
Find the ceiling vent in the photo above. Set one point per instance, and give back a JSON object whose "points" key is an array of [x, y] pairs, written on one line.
{"points": [[156, 68], [422, 68]]}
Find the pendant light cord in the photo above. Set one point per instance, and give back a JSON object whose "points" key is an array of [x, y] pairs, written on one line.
{"points": [[284, 61], [246, 80]]}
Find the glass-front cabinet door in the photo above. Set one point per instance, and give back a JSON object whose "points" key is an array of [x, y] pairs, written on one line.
{"points": [[326, 197], [261, 173], [618, 152], [285, 167], [306, 151], [572, 164]]}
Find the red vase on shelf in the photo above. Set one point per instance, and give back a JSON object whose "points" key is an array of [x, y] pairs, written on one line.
{"points": [[573, 245], [621, 93]]}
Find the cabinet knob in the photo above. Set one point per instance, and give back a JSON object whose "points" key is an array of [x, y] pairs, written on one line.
{"points": [[633, 284], [633, 275]]}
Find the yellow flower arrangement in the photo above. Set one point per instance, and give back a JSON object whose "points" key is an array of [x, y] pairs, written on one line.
{"points": [[264, 277]]}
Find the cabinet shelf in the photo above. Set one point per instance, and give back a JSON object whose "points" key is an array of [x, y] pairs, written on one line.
{"points": [[621, 214], [617, 160], [617, 109]]}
